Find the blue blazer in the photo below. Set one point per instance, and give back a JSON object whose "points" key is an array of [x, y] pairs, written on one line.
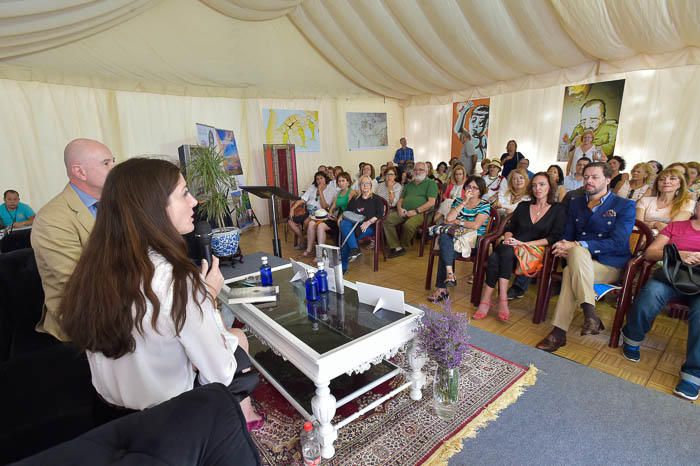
{"points": [[607, 231]]}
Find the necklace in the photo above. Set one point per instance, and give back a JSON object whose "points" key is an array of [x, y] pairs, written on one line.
{"points": [[541, 209]]}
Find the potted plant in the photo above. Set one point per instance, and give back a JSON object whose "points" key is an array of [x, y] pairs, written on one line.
{"points": [[443, 335], [211, 183]]}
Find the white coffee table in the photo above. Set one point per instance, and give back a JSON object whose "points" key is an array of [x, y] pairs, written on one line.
{"points": [[332, 338]]}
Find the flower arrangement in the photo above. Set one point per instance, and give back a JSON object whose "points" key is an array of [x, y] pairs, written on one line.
{"points": [[443, 335]]}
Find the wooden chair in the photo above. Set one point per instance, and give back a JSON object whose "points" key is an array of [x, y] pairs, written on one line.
{"points": [[379, 235], [494, 226], [486, 245], [639, 240]]}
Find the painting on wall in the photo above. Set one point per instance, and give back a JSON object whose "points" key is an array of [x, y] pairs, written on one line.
{"points": [[471, 117], [366, 131], [298, 127]]}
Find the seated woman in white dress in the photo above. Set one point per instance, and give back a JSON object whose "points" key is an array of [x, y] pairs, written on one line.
{"points": [[366, 170], [639, 183], [671, 204], [143, 312]]}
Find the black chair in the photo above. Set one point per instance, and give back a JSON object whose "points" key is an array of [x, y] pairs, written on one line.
{"points": [[17, 239], [204, 426]]}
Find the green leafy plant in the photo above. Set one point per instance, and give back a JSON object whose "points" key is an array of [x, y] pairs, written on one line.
{"points": [[208, 178]]}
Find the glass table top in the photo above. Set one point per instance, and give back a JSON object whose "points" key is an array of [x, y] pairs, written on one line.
{"points": [[326, 324]]}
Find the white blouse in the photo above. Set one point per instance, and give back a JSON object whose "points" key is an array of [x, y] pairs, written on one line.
{"points": [[162, 366]]}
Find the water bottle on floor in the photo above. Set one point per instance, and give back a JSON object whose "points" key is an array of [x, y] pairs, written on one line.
{"points": [[310, 445]]}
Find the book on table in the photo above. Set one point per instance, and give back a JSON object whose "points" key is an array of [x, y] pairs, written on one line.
{"points": [[251, 295]]}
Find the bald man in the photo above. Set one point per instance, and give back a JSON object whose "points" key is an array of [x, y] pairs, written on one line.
{"points": [[63, 225]]}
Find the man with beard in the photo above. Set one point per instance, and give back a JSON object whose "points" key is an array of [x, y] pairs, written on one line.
{"points": [[417, 197], [596, 248]]}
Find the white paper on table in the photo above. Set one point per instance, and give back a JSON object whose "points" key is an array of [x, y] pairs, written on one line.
{"points": [[301, 270], [380, 297]]}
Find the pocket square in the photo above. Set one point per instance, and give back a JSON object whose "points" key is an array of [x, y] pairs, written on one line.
{"points": [[610, 213]]}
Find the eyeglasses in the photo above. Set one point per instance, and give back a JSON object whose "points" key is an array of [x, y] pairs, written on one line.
{"points": [[366, 184], [470, 187], [390, 174]]}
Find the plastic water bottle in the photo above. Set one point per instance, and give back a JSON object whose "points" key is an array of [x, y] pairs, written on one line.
{"points": [[322, 278], [311, 288], [310, 445], [265, 272]]}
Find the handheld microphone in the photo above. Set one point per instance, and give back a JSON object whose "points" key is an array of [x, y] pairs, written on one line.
{"points": [[203, 234]]}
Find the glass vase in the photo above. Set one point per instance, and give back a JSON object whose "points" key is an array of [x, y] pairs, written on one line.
{"points": [[445, 391]]}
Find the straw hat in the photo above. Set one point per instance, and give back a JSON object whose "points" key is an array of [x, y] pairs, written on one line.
{"points": [[495, 162]]}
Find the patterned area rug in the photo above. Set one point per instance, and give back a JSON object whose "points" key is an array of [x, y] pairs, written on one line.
{"points": [[400, 431]]}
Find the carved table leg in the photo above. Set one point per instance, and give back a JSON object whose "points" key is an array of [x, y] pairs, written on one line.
{"points": [[323, 406], [416, 360]]}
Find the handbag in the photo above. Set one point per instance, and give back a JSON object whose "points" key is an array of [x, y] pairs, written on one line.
{"points": [[684, 278], [530, 260]]}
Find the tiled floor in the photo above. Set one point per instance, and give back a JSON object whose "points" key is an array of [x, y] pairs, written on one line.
{"points": [[663, 351]]}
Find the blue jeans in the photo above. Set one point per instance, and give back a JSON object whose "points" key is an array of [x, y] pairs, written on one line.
{"points": [[647, 306], [352, 242], [522, 282], [447, 257]]}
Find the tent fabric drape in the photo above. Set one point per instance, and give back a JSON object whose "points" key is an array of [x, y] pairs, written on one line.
{"points": [[417, 51], [31, 26]]}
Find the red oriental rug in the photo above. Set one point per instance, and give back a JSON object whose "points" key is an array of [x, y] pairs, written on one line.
{"points": [[400, 431]]}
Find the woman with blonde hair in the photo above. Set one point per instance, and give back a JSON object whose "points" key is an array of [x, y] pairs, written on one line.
{"points": [[672, 202], [454, 189], [515, 191], [639, 184]]}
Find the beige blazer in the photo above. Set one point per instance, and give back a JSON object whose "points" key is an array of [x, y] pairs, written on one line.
{"points": [[60, 231]]}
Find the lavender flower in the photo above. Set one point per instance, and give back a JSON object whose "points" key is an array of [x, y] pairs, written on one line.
{"points": [[444, 335]]}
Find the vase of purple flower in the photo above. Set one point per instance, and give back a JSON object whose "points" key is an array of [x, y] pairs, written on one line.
{"points": [[443, 335]]}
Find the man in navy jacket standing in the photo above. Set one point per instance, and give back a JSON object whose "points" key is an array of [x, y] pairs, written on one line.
{"points": [[596, 248]]}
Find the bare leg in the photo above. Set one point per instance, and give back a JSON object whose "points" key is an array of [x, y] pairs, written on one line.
{"points": [[321, 232], [310, 237], [503, 311], [295, 229]]}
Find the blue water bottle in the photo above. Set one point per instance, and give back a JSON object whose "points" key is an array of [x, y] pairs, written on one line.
{"points": [[265, 272], [311, 288], [322, 278]]}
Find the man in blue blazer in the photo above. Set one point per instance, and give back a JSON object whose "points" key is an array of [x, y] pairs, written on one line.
{"points": [[596, 248]]}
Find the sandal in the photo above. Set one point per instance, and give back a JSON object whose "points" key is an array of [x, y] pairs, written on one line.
{"points": [[503, 311], [438, 297], [451, 280], [482, 311]]}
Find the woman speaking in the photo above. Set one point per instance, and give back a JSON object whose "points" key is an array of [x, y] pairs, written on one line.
{"points": [[139, 307]]}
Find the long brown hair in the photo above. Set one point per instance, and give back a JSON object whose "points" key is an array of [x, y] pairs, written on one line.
{"points": [[105, 298]]}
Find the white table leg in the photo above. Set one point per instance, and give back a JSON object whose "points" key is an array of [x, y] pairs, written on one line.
{"points": [[323, 406], [416, 360]]}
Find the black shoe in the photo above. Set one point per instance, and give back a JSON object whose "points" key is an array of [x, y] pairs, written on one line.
{"points": [[354, 254], [397, 253], [515, 293]]}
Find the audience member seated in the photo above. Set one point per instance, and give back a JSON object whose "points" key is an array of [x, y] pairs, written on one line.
{"points": [[62, 227], [557, 175], [406, 172], [431, 171], [330, 225], [617, 165], [657, 293], [368, 205], [456, 188], [585, 149], [672, 202], [575, 181], [639, 183], [472, 213], [157, 322], [382, 172], [319, 196], [511, 158], [484, 167], [441, 174], [525, 165], [596, 247], [656, 167], [417, 198], [390, 190], [539, 222], [681, 167], [15, 214], [493, 181], [513, 192], [367, 170]]}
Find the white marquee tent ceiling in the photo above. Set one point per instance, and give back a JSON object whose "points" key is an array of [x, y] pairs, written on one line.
{"points": [[413, 50]]}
